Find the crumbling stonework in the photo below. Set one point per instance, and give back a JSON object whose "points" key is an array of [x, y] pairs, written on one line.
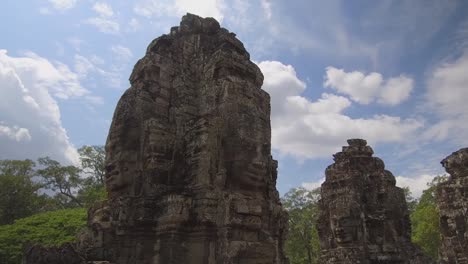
{"points": [[52, 255], [452, 200], [189, 171], [364, 217]]}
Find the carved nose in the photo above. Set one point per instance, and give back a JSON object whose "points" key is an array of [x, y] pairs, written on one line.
{"points": [[109, 169]]}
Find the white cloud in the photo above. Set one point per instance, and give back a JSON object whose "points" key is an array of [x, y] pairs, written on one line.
{"points": [[134, 24], [122, 53], [15, 133], [85, 66], [313, 185], [311, 129], [365, 89], [105, 21], [447, 89], [63, 4], [104, 25], [204, 8], [280, 80], [103, 9], [447, 94], [266, 6], [416, 184], [29, 112]]}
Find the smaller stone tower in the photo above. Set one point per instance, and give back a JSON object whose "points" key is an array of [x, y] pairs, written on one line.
{"points": [[364, 217]]}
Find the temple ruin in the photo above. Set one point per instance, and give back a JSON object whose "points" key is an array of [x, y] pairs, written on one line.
{"points": [[452, 200], [363, 215], [190, 176], [189, 171]]}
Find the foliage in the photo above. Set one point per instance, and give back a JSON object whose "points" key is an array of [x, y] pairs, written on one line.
{"points": [[410, 200], [50, 228], [425, 220], [19, 193], [62, 179], [302, 245], [91, 194], [27, 189], [92, 162]]}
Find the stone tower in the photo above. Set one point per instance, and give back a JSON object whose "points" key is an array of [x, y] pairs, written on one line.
{"points": [[189, 171], [452, 199], [364, 217]]}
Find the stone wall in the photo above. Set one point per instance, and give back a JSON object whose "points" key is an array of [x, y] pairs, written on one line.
{"points": [[452, 199]]}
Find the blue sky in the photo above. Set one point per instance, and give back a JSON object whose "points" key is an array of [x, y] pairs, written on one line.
{"points": [[392, 72]]}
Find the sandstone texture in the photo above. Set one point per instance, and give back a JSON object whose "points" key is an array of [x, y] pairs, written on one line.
{"points": [[364, 217], [35, 254], [452, 200], [189, 171]]}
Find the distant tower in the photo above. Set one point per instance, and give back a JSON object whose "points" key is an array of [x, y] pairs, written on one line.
{"points": [[363, 215]]}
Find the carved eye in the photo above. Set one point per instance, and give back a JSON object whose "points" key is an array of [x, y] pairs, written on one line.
{"points": [[110, 167]]}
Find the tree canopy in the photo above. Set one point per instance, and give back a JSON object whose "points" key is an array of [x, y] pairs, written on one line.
{"points": [[302, 245], [49, 228]]}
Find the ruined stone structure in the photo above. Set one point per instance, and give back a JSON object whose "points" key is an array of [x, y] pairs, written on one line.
{"points": [[189, 171], [452, 199], [364, 217]]}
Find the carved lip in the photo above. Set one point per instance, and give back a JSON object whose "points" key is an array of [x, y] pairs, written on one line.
{"points": [[255, 171]]}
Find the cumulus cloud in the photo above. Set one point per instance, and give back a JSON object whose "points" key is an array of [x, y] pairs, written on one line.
{"points": [[311, 129], [15, 133], [447, 94], [365, 89], [103, 9], [30, 121], [105, 21], [416, 184], [62, 4], [205, 8]]}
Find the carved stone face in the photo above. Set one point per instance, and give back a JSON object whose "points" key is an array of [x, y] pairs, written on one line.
{"points": [[345, 229], [251, 151], [345, 223], [120, 173]]}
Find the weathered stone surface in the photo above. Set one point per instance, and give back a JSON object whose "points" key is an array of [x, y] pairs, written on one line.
{"points": [[189, 171], [364, 216], [452, 199], [65, 254]]}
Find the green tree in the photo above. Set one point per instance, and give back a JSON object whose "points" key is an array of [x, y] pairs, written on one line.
{"points": [[425, 220], [410, 200], [49, 229], [18, 192], [302, 245], [65, 180], [92, 162]]}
